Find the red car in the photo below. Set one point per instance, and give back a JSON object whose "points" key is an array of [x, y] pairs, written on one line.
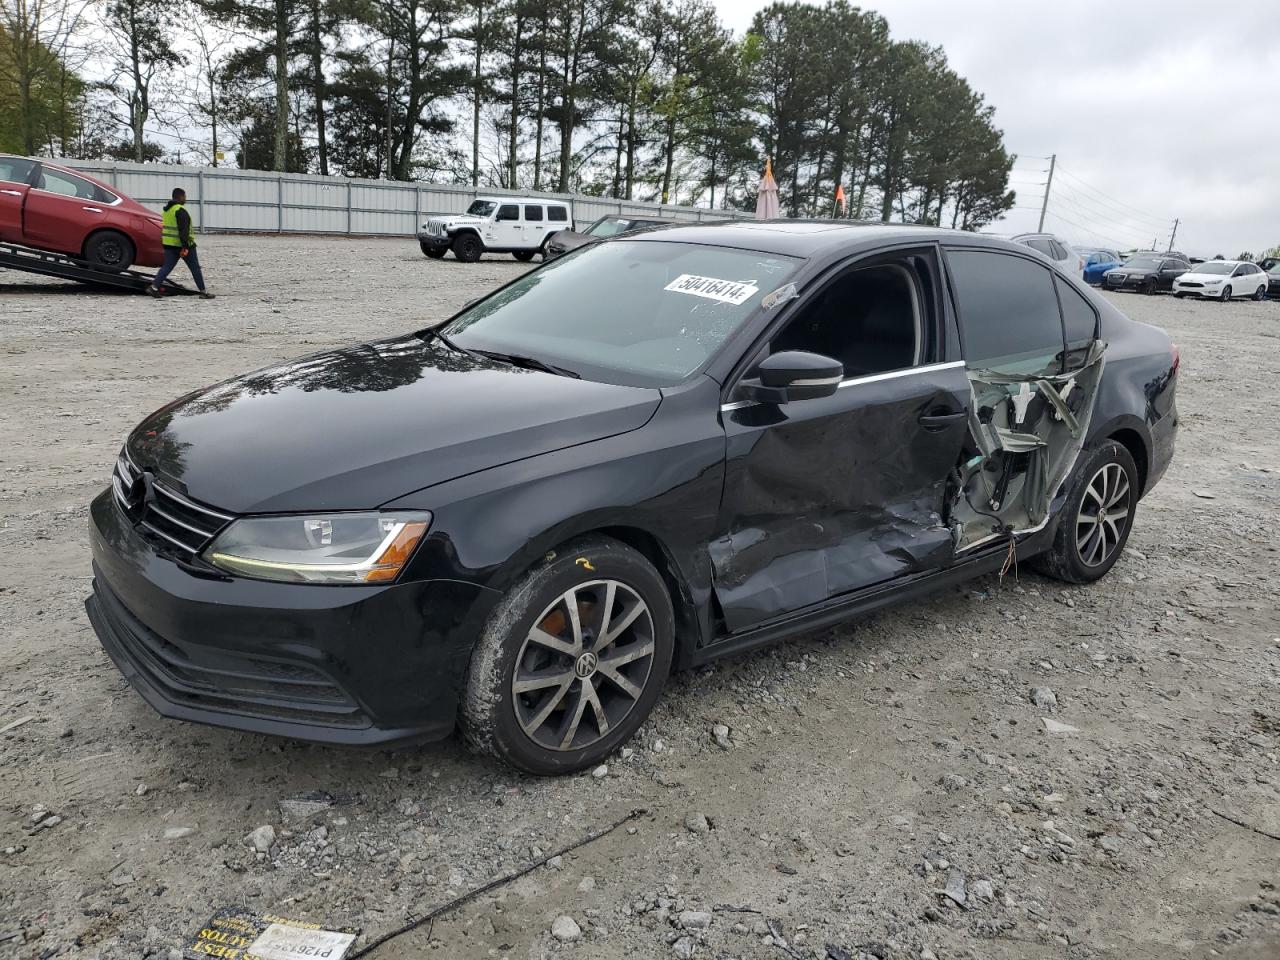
{"points": [[54, 208]]}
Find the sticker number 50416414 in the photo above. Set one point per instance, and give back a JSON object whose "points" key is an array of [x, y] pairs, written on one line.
{"points": [[736, 292]]}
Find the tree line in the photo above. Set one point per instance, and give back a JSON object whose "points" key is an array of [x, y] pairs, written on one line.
{"points": [[648, 100]]}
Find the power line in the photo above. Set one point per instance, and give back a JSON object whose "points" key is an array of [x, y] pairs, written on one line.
{"points": [[1110, 212], [1119, 203], [1095, 234], [1103, 224]]}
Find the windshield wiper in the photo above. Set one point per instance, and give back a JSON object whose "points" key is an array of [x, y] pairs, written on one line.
{"points": [[529, 363], [443, 338]]}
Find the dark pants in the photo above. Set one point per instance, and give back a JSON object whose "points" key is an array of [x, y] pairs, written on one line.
{"points": [[171, 257]]}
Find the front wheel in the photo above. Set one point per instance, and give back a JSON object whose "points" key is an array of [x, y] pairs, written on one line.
{"points": [[1097, 518], [1226, 293], [1149, 288], [524, 256], [467, 247], [1260, 293], [572, 661], [109, 251], [435, 253]]}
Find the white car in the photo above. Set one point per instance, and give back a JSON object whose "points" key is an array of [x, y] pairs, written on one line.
{"points": [[1055, 248], [1222, 280], [515, 225]]}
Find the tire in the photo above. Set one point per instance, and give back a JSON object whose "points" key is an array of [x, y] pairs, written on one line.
{"points": [[533, 730], [1179, 296], [435, 253], [1260, 293], [1105, 481], [1149, 288], [467, 247], [524, 256], [1226, 293], [109, 251]]}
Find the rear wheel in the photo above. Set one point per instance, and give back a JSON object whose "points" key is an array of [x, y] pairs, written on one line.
{"points": [[1260, 293], [1097, 517], [110, 251], [572, 660], [1226, 293], [524, 256], [435, 253], [467, 247]]}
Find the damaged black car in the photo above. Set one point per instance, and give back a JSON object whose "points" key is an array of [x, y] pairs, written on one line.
{"points": [[643, 455]]}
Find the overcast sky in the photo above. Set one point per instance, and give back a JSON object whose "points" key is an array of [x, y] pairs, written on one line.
{"points": [[1155, 111]]}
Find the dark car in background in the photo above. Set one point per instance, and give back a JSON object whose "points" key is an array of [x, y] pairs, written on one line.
{"points": [[643, 455], [1145, 273], [563, 241], [1273, 281], [61, 210]]}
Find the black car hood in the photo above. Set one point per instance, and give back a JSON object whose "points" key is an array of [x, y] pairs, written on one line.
{"points": [[1131, 271], [357, 427]]}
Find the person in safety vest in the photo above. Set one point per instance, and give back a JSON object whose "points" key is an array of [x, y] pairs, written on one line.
{"points": [[179, 244]]}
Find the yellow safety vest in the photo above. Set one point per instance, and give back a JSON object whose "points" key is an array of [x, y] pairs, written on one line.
{"points": [[170, 235]]}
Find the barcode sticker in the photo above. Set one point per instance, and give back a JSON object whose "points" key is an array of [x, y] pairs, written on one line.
{"points": [[736, 292]]}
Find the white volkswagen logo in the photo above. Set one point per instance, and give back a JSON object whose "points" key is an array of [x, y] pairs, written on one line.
{"points": [[586, 665]]}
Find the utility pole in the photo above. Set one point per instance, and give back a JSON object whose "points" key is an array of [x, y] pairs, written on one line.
{"points": [[1044, 207], [1176, 221]]}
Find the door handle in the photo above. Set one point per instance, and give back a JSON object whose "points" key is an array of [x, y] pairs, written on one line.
{"points": [[12, 193], [940, 421], [92, 209]]}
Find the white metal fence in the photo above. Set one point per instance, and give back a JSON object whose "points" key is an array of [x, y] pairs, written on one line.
{"points": [[222, 200]]}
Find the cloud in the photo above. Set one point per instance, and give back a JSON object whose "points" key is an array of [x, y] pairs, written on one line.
{"points": [[1155, 111]]}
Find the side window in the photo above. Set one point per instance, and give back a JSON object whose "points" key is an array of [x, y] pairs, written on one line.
{"points": [[872, 319], [508, 211], [1008, 310], [65, 184], [1240, 271], [15, 169], [533, 213], [1079, 323], [558, 214], [1059, 251], [1041, 244]]}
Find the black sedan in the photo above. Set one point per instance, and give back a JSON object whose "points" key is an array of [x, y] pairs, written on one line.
{"points": [[1273, 281], [1147, 274], [641, 456], [563, 241]]}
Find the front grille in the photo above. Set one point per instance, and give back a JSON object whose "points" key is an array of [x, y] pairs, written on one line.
{"points": [[165, 517], [1190, 283], [228, 681], [435, 228]]}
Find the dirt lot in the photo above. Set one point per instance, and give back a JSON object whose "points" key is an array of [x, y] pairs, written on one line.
{"points": [[865, 768]]}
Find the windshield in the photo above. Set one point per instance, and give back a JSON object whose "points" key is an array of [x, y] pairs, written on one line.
{"points": [[481, 208], [1274, 268], [634, 312], [608, 227], [1214, 267], [1143, 263]]}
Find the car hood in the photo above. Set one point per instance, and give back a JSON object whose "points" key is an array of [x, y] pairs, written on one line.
{"points": [[357, 427], [1132, 271], [458, 220], [1203, 277], [570, 239]]}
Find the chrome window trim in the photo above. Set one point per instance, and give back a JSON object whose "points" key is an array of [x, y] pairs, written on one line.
{"points": [[870, 378]]}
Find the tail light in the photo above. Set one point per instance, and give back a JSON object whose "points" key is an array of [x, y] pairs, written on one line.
{"points": [[1177, 358]]}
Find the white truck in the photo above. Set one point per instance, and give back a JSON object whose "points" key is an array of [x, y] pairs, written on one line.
{"points": [[515, 225]]}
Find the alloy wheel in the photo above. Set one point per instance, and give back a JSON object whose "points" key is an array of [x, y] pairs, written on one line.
{"points": [[583, 665], [1226, 293], [1104, 515]]}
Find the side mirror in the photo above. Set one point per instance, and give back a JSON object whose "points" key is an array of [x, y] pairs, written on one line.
{"points": [[793, 375]]}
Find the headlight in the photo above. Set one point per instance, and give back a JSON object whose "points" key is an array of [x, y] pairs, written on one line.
{"points": [[320, 548], [1210, 283]]}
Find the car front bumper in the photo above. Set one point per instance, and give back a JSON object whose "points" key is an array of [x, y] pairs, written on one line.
{"points": [[1213, 292], [358, 665], [1126, 283], [435, 241]]}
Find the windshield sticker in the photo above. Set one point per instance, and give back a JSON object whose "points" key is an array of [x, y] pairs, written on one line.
{"points": [[736, 292], [784, 293]]}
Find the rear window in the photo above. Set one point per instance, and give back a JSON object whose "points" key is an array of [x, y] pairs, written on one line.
{"points": [[1009, 318], [15, 169], [558, 214]]}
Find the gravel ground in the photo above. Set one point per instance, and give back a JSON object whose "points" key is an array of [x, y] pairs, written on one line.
{"points": [[864, 769]]}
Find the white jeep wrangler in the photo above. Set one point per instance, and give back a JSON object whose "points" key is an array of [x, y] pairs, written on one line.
{"points": [[515, 225]]}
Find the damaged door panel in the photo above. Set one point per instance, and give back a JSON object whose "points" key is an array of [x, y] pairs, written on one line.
{"points": [[1032, 395], [829, 495]]}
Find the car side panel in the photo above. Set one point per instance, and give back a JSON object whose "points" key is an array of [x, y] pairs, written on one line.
{"points": [[661, 484]]}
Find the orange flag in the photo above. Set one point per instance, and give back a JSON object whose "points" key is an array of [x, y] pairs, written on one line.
{"points": [[840, 196]]}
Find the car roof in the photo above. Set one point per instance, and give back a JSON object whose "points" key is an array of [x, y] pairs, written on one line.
{"points": [[814, 238], [497, 199]]}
